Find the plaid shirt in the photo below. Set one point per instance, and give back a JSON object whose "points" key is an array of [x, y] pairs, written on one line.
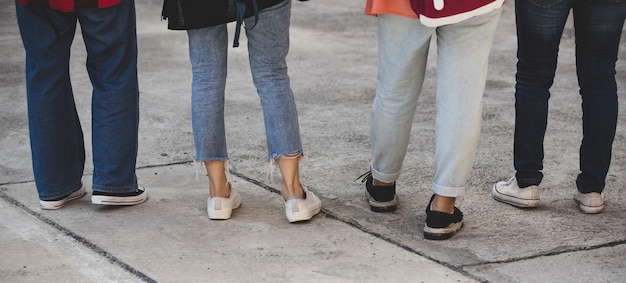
{"points": [[69, 5]]}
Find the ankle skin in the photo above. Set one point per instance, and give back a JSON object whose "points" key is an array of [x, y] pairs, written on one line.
{"points": [[379, 183], [443, 204], [218, 182], [289, 169]]}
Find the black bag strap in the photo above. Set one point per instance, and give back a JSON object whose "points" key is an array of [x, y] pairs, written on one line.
{"points": [[241, 12]]}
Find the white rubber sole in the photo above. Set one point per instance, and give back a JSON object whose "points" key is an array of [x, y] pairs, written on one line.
{"points": [[512, 200]]}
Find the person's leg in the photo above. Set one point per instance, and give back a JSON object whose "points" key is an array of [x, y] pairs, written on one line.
{"points": [[461, 78], [208, 52], [461, 81], [268, 45], [56, 137], [111, 42], [539, 30], [403, 50], [598, 26]]}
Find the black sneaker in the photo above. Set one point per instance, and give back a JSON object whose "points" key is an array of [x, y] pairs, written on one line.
{"points": [[132, 198], [380, 198], [441, 225], [60, 202]]}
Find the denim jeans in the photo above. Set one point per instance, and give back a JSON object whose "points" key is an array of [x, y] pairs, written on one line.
{"points": [[268, 45], [403, 45], [598, 26], [56, 137]]}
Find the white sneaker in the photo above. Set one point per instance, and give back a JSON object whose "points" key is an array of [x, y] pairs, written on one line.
{"points": [[510, 192], [301, 209], [56, 204], [589, 203], [222, 208]]}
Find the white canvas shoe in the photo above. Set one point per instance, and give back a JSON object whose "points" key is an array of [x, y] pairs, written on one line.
{"points": [[56, 204], [510, 192], [220, 208], [301, 209], [589, 203]]}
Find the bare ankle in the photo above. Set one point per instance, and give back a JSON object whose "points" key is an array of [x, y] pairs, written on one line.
{"points": [[292, 191], [221, 191], [379, 183], [443, 204]]}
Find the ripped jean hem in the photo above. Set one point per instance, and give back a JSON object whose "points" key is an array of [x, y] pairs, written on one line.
{"points": [[270, 165], [199, 162]]}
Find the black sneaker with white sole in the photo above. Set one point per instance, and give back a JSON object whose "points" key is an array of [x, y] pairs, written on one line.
{"points": [[441, 225], [60, 202], [380, 198], [131, 198]]}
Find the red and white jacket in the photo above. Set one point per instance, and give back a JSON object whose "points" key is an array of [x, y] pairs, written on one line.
{"points": [[69, 5], [433, 13]]}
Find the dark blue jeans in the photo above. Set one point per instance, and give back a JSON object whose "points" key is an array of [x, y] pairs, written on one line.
{"points": [[56, 136], [598, 27]]}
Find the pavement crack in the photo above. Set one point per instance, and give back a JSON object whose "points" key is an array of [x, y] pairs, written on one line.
{"points": [[549, 253], [78, 238], [355, 224]]}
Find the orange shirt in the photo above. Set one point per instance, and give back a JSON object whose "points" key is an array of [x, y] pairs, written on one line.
{"points": [[396, 7]]}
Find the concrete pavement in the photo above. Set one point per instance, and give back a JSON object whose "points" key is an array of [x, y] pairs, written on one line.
{"points": [[332, 64]]}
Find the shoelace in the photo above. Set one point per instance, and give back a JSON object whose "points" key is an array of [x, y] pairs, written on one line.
{"points": [[364, 177]]}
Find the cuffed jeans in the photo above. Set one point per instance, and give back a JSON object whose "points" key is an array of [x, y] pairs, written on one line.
{"points": [[268, 45], [462, 59], [598, 27], [56, 137]]}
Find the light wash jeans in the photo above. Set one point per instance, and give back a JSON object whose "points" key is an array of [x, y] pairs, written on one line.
{"points": [[462, 59], [56, 135], [268, 45]]}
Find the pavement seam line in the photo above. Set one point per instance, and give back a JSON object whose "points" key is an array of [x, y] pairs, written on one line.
{"points": [[80, 239], [329, 214], [460, 268], [355, 224], [564, 251]]}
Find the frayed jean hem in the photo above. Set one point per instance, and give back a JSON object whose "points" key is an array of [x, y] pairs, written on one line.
{"points": [[270, 165]]}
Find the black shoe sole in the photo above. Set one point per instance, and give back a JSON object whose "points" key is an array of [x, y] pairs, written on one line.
{"points": [[383, 208], [441, 236]]}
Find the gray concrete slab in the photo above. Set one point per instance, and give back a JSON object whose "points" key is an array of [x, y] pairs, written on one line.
{"points": [[332, 64], [170, 239], [604, 264], [35, 251]]}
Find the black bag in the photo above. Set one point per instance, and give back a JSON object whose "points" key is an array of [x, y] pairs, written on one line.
{"points": [[194, 14]]}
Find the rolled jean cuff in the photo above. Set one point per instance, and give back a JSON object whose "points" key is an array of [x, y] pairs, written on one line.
{"points": [[107, 189], [452, 192], [385, 178]]}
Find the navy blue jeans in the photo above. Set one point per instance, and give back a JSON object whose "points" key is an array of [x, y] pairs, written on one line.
{"points": [[598, 27], [56, 137]]}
